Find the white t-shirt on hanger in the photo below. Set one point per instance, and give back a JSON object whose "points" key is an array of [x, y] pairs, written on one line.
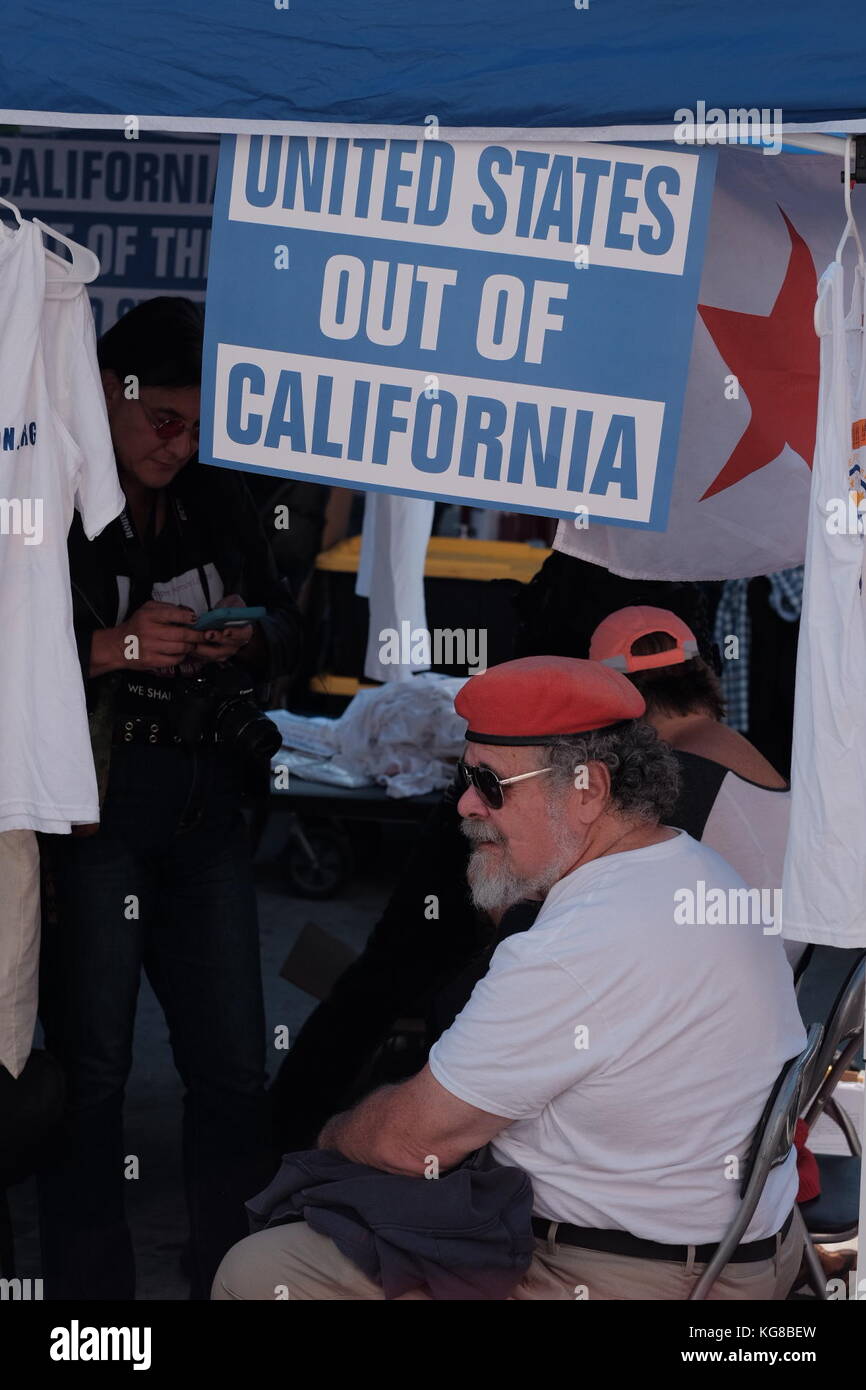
{"points": [[824, 886], [55, 453]]}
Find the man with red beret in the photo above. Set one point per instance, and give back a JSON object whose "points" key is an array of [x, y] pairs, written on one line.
{"points": [[620, 1058]]}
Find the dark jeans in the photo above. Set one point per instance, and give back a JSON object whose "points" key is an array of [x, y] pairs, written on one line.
{"points": [[166, 884], [30, 1109]]}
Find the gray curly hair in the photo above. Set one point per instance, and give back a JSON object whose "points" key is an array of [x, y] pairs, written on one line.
{"points": [[644, 773]]}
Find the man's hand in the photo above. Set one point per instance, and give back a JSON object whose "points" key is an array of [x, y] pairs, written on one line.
{"points": [[222, 645], [156, 636]]}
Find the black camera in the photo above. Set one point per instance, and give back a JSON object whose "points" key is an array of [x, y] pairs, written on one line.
{"points": [[218, 705]]}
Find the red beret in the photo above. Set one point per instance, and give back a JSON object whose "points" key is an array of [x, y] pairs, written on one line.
{"points": [[538, 697]]}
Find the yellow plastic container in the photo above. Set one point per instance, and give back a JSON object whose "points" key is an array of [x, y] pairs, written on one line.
{"points": [[449, 557]]}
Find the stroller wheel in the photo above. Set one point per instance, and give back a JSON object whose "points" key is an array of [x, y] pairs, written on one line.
{"points": [[317, 861]]}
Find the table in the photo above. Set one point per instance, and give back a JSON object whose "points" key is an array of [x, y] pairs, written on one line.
{"points": [[319, 856]]}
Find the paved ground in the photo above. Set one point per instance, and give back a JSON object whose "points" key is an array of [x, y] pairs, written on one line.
{"points": [[156, 1209], [153, 1111]]}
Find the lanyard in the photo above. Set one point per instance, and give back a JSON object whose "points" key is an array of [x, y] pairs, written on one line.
{"points": [[138, 552]]}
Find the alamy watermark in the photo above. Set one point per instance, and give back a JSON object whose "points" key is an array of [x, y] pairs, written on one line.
{"points": [[722, 907], [77, 1343], [22, 516], [846, 516], [738, 125], [21, 1290], [441, 646]]}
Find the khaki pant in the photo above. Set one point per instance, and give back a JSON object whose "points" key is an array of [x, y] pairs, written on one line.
{"points": [[19, 946], [294, 1261]]}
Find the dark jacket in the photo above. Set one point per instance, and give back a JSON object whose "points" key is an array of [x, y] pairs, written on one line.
{"points": [[465, 1235], [223, 524], [408, 956], [221, 527]]}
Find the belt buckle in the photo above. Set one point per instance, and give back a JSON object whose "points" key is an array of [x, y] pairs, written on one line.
{"points": [[552, 1229]]}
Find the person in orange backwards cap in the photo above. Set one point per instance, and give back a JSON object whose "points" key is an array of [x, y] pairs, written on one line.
{"points": [[731, 798], [619, 1053], [659, 654]]}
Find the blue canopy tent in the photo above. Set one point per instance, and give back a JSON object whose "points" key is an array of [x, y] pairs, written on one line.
{"points": [[567, 70], [612, 69]]}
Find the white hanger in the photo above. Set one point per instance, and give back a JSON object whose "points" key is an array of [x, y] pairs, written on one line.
{"points": [[4, 202], [850, 225], [84, 266]]}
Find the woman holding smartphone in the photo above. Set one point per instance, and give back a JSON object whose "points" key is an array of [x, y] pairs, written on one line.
{"points": [[164, 882]]}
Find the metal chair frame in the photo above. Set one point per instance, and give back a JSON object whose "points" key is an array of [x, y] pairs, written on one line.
{"points": [[843, 1038], [843, 1025], [771, 1145]]}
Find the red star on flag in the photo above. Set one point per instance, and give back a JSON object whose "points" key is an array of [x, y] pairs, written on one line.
{"points": [[775, 360]]}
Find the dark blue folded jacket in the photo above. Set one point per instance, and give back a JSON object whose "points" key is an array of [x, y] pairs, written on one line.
{"points": [[465, 1235]]}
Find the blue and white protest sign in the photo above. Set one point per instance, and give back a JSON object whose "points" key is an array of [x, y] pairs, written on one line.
{"points": [[141, 202], [497, 325]]}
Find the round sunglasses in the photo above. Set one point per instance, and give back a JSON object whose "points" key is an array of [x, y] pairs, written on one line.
{"points": [[488, 785], [171, 427]]}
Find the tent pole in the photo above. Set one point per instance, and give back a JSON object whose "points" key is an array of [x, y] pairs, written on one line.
{"points": [[820, 144]]}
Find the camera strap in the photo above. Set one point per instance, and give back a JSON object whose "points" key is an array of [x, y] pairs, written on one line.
{"points": [[137, 561]]}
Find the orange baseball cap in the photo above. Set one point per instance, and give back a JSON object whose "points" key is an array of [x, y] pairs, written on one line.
{"points": [[614, 638], [535, 698]]}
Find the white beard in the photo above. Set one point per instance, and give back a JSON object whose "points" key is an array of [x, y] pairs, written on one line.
{"points": [[493, 884]]}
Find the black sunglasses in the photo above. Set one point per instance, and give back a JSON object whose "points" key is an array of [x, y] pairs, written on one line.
{"points": [[488, 785]]}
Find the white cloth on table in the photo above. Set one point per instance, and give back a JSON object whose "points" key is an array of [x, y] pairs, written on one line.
{"points": [[405, 737]]}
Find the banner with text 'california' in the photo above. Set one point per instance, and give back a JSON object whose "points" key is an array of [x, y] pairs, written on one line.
{"points": [[480, 323]]}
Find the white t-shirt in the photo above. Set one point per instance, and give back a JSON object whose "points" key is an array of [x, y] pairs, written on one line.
{"points": [[637, 1123], [745, 823], [55, 451], [748, 826], [391, 575], [825, 868]]}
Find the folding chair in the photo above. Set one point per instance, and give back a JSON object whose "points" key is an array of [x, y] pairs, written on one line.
{"points": [[802, 965], [842, 1025], [833, 1216], [771, 1144]]}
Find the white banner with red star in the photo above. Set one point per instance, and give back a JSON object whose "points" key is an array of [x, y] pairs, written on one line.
{"points": [[741, 485]]}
